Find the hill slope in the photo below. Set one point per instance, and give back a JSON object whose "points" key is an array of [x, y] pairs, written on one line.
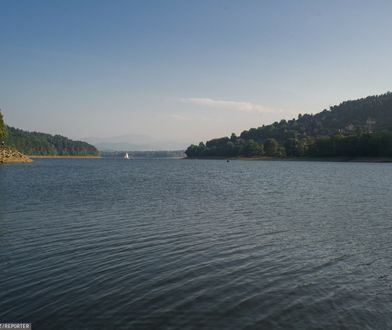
{"points": [[353, 128], [34, 143]]}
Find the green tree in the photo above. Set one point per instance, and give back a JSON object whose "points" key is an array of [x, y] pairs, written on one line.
{"points": [[252, 148], [294, 147], [3, 128], [271, 147]]}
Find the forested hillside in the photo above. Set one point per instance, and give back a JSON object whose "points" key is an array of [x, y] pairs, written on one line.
{"points": [[353, 128], [34, 143]]}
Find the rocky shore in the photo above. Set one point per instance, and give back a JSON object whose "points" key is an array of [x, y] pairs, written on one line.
{"points": [[11, 155]]}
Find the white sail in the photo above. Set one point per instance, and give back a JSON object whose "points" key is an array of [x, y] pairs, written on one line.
{"points": [[126, 156]]}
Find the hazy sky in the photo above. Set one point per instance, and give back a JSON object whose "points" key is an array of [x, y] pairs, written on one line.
{"points": [[186, 71]]}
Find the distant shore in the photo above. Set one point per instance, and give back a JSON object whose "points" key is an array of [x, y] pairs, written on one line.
{"points": [[47, 156], [307, 159], [326, 159]]}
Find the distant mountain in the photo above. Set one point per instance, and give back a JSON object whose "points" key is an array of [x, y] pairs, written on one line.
{"points": [[133, 142], [35, 143], [145, 154], [353, 128], [112, 146]]}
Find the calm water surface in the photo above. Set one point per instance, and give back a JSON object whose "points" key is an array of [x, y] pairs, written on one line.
{"points": [[174, 244]]}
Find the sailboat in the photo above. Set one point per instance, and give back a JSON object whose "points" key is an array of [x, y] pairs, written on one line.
{"points": [[126, 156]]}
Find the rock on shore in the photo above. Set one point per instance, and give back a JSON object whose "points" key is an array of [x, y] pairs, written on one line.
{"points": [[11, 155]]}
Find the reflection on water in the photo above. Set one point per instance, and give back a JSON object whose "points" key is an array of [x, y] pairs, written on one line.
{"points": [[173, 244]]}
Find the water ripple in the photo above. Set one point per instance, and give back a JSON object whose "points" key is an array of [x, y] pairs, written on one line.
{"points": [[167, 244]]}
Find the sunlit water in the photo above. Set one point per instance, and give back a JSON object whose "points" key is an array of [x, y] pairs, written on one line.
{"points": [[178, 244]]}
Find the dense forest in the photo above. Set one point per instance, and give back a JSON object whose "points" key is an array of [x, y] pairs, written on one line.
{"points": [[360, 128], [34, 143]]}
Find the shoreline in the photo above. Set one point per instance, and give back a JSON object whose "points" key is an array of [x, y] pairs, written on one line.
{"points": [[304, 159], [49, 156], [9, 155]]}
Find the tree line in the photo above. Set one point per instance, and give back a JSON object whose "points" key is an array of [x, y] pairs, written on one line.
{"points": [[364, 145], [34, 143], [3, 129], [359, 128]]}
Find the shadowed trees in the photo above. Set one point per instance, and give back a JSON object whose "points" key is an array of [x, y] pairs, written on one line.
{"points": [[353, 128], [271, 147]]}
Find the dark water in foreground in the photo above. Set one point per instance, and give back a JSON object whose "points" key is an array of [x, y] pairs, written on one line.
{"points": [[172, 244]]}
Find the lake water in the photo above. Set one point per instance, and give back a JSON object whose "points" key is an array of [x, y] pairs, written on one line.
{"points": [[196, 244]]}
